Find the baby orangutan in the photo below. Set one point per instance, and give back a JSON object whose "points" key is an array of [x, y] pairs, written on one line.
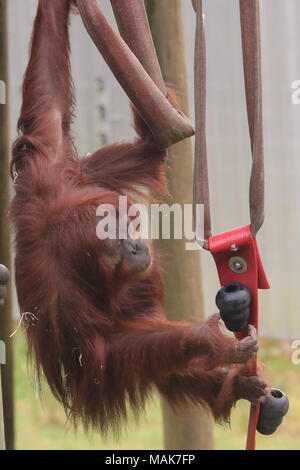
{"points": [[98, 330]]}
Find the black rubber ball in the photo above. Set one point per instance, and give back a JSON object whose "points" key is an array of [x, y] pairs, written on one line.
{"points": [[267, 426], [236, 321], [233, 297], [233, 300], [272, 411]]}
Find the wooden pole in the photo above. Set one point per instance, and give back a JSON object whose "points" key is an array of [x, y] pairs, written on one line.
{"points": [[5, 311], [193, 427]]}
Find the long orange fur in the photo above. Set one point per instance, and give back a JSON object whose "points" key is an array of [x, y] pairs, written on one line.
{"points": [[101, 344]]}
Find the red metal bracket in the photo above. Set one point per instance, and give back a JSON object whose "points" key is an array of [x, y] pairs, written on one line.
{"points": [[239, 243]]}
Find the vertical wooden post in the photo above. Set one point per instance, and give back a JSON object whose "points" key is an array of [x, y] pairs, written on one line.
{"points": [[5, 311], [193, 427]]}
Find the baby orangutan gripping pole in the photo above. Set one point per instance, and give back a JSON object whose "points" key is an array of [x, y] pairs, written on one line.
{"points": [[95, 318]]}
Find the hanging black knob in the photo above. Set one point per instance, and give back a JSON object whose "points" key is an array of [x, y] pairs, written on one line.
{"points": [[272, 411], [233, 300]]}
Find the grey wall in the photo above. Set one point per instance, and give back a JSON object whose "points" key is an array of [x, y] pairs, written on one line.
{"points": [[228, 141]]}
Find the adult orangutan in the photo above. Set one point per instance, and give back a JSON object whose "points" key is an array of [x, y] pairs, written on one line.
{"points": [[95, 317]]}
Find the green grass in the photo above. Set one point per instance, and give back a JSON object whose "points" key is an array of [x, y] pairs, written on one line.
{"points": [[42, 424]]}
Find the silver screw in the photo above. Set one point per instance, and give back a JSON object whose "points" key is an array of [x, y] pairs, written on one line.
{"points": [[238, 266], [234, 247]]}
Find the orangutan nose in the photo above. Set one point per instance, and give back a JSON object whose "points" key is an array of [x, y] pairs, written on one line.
{"points": [[134, 247]]}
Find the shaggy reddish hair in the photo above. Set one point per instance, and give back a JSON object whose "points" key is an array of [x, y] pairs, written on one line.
{"points": [[100, 338]]}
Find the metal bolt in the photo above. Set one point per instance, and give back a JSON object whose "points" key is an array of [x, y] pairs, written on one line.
{"points": [[234, 247], [238, 264]]}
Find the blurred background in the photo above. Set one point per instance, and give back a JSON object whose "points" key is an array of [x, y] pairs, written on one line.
{"points": [[103, 117]]}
